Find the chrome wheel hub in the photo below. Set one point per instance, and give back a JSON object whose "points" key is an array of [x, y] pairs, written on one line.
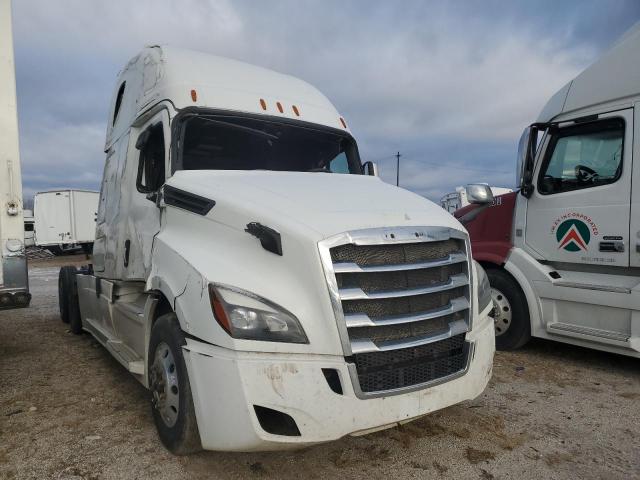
{"points": [[501, 312], [164, 385]]}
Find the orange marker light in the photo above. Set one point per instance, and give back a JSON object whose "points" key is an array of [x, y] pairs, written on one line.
{"points": [[295, 110], [218, 310], [194, 95], [279, 105], [263, 104], [344, 124]]}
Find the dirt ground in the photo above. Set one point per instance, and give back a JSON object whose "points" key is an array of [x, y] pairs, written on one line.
{"points": [[70, 411]]}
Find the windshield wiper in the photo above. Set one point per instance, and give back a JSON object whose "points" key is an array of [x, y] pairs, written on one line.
{"points": [[254, 131]]}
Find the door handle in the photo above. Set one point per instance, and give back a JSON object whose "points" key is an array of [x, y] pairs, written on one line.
{"points": [[614, 247]]}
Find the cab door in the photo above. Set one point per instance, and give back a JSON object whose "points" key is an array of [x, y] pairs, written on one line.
{"points": [[580, 210], [634, 229], [577, 223], [149, 152]]}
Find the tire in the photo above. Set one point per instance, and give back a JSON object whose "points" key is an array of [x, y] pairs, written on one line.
{"points": [[511, 312], [87, 248], [64, 278], [171, 400], [73, 303]]}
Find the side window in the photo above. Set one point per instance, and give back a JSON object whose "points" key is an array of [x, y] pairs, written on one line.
{"points": [[116, 109], [339, 164], [151, 175], [583, 156]]}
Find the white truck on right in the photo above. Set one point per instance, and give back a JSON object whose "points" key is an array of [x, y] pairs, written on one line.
{"points": [[563, 254]]}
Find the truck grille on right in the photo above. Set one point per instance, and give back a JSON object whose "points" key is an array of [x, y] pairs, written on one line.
{"points": [[406, 308]]}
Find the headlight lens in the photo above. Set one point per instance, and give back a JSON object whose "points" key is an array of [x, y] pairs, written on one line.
{"points": [[247, 316], [484, 289]]}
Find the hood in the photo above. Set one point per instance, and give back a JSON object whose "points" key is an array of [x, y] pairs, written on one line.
{"points": [[326, 203]]}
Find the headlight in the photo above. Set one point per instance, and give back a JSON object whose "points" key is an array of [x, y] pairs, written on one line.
{"points": [[248, 316], [484, 289]]}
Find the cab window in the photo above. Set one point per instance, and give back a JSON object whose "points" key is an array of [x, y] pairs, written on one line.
{"points": [[583, 156], [151, 175], [340, 164]]}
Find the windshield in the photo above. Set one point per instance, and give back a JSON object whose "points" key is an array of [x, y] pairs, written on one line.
{"points": [[226, 142]]}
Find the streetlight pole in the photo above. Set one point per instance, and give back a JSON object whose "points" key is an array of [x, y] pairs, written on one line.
{"points": [[398, 169]]}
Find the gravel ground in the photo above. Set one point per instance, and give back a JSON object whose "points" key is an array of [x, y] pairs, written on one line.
{"points": [[70, 411]]}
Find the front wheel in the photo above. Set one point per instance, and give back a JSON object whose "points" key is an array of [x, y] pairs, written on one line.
{"points": [[171, 400], [510, 311]]}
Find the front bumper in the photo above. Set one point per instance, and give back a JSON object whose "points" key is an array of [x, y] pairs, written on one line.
{"points": [[227, 384]]}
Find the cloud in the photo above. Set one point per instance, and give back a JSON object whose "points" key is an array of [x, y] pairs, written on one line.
{"points": [[451, 86]]}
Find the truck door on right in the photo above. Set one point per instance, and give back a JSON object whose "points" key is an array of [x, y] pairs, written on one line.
{"points": [[578, 223]]}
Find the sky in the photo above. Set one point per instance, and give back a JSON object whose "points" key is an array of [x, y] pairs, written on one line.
{"points": [[449, 85]]}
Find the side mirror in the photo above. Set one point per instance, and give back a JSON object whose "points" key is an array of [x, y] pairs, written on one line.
{"points": [[143, 138], [370, 168], [479, 194]]}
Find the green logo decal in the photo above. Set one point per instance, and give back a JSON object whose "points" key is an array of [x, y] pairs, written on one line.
{"points": [[573, 235]]}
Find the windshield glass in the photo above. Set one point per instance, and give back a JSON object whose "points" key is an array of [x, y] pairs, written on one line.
{"points": [[225, 142]]}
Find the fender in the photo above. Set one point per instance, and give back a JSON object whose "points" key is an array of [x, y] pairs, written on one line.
{"points": [[491, 230], [511, 265]]}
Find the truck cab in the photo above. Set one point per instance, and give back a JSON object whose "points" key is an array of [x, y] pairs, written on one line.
{"points": [[251, 272], [563, 254]]}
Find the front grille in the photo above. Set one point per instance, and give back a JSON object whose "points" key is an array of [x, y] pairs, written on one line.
{"points": [[368, 255], [402, 305], [403, 331], [406, 367], [399, 280], [405, 305]]}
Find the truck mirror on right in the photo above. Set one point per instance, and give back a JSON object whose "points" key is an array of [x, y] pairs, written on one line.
{"points": [[479, 194]]}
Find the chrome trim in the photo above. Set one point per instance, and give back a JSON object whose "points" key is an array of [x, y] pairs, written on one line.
{"points": [[349, 267], [364, 345], [390, 236], [469, 348], [355, 320], [455, 281], [589, 286]]}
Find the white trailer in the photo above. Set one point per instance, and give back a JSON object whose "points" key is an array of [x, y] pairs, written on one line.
{"points": [[65, 218], [458, 199], [249, 272], [14, 285], [563, 255]]}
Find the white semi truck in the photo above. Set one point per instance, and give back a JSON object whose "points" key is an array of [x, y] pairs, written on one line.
{"points": [[563, 254], [248, 271], [65, 219], [14, 284]]}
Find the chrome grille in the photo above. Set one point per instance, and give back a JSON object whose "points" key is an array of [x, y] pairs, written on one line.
{"points": [[401, 297], [410, 366]]}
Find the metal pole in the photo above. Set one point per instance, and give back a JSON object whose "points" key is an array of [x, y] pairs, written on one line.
{"points": [[398, 169]]}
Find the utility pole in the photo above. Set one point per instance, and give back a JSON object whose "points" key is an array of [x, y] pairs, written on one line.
{"points": [[398, 169]]}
